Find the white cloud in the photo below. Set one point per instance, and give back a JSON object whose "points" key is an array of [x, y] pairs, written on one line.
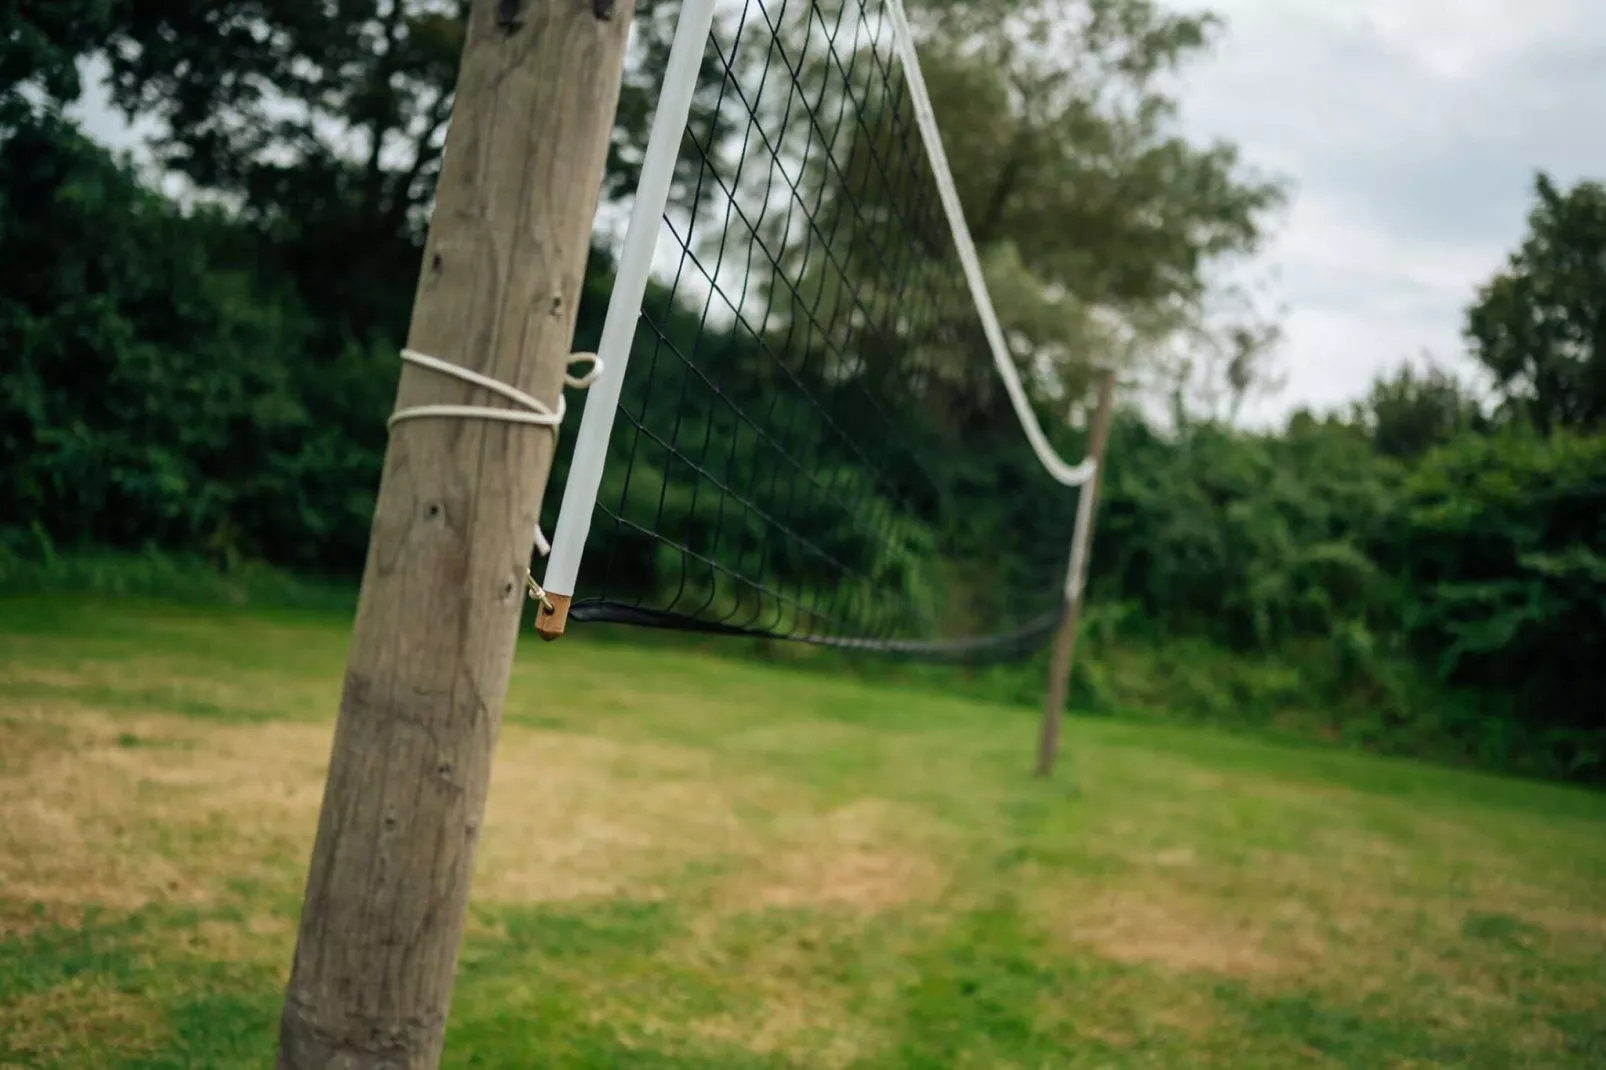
{"points": [[1411, 130], [101, 120]]}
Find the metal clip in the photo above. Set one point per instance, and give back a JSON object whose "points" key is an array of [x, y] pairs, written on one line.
{"points": [[536, 593]]}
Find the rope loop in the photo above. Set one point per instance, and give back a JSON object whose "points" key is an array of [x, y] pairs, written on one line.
{"points": [[580, 382], [530, 410]]}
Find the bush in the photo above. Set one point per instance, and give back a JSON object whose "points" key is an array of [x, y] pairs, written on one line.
{"points": [[159, 389]]}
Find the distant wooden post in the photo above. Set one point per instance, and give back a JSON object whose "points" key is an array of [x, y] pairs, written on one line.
{"points": [[1059, 671], [453, 528]]}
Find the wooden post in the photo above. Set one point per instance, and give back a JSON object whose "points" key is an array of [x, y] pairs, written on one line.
{"points": [[1059, 671], [453, 528]]}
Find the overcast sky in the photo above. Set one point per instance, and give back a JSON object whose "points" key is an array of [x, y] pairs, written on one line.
{"points": [[1410, 130]]}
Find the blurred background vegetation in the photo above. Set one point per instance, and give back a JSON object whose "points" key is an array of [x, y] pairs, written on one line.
{"points": [[198, 351]]}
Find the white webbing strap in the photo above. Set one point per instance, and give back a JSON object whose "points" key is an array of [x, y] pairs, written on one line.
{"points": [[903, 40]]}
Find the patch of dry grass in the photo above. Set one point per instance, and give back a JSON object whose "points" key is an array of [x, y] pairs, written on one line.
{"points": [[863, 857], [121, 811], [1354, 906], [126, 811], [74, 1020], [1175, 932]]}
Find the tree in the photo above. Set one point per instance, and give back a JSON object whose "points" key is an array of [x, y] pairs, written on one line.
{"points": [[1097, 221], [323, 124], [1074, 168], [1408, 412], [1100, 227], [158, 387], [1539, 325]]}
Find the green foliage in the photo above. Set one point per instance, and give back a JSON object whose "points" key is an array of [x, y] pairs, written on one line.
{"points": [[1485, 561], [1252, 540], [1409, 412], [31, 567], [326, 124], [1099, 225], [1505, 540], [159, 389], [1061, 114]]}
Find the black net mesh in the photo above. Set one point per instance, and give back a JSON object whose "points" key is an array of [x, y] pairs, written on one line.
{"points": [[812, 442]]}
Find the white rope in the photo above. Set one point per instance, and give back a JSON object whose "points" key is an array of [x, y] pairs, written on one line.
{"points": [[903, 38], [532, 410]]}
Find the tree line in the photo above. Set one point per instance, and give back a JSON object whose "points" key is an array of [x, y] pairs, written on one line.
{"points": [[210, 373]]}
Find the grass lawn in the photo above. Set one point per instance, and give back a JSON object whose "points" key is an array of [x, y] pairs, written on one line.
{"points": [[705, 863]]}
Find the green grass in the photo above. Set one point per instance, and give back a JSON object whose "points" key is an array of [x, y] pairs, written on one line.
{"points": [[1311, 691], [697, 861]]}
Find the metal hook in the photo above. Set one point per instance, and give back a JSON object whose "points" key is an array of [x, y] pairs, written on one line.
{"points": [[537, 594]]}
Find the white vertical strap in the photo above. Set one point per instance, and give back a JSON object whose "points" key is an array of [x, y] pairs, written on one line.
{"points": [[926, 119], [624, 306]]}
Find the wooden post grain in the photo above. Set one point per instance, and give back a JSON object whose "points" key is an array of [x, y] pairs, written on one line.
{"points": [[444, 583], [1064, 653]]}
